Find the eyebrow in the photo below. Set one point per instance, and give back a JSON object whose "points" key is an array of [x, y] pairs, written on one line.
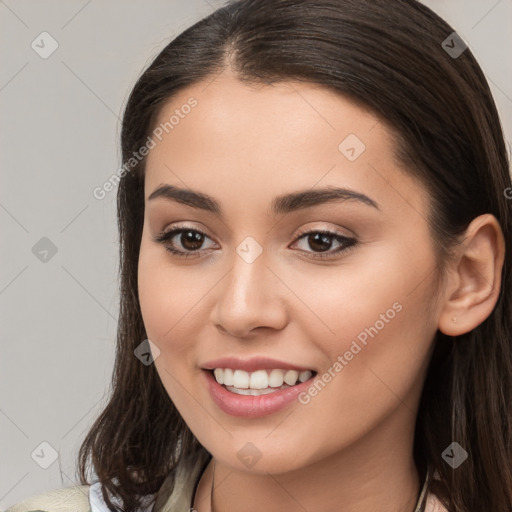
{"points": [[282, 204]]}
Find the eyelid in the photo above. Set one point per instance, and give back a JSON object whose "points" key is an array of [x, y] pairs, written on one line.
{"points": [[175, 230], [330, 254], [332, 231]]}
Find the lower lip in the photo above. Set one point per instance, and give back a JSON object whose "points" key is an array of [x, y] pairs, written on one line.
{"points": [[248, 406]]}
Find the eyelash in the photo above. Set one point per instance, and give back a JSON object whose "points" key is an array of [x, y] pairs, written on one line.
{"points": [[349, 243]]}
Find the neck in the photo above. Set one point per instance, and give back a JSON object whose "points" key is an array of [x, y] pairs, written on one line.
{"points": [[360, 478], [358, 492]]}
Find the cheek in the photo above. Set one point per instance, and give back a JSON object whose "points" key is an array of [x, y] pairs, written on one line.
{"points": [[375, 335], [378, 293], [170, 300], [167, 299]]}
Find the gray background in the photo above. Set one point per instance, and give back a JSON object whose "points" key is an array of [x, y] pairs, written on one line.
{"points": [[60, 126]]}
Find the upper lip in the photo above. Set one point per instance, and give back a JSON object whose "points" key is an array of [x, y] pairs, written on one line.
{"points": [[251, 365]]}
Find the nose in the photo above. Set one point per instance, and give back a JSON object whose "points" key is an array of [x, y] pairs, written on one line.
{"points": [[250, 296]]}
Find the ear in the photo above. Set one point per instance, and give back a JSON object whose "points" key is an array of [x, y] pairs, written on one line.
{"points": [[474, 281]]}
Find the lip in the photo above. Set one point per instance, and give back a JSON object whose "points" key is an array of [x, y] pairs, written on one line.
{"points": [[251, 365], [248, 406]]}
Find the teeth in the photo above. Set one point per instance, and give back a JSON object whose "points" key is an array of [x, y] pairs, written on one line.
{"points": [[305, 375], [276, 378], [254, 392], [228, 376], [290, 377], [240, 379], [219, 375], [258, 380], [261, 380]]}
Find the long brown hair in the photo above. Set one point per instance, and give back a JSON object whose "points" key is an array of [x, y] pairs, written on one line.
{"points": [[388, 56]]}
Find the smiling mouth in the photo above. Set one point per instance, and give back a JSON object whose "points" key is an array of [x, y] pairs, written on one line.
{"points": [[259, 382]]}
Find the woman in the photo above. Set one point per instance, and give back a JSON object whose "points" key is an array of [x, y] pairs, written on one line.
{"points": [[315, 286]]}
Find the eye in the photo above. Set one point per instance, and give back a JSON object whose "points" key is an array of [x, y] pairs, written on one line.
{"points": [[322, 241], [190, 240]]}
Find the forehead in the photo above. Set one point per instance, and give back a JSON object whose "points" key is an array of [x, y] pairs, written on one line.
{"points": [[252, 137], [273, 116]]}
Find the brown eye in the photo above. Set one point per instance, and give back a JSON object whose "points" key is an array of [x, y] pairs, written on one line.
{"points": [[184, 242], [321, 242], [191, 240]]}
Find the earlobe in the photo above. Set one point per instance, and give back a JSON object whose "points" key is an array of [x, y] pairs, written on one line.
{"points": [[476, 277]]}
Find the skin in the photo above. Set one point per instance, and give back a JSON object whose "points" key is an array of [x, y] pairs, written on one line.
{"points": [[352, 443]]}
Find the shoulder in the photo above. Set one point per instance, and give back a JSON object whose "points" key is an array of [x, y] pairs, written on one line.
{"points": [[68, 499]]}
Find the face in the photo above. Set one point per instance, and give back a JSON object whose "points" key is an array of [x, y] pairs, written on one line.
{"points": [[334, 289]]}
